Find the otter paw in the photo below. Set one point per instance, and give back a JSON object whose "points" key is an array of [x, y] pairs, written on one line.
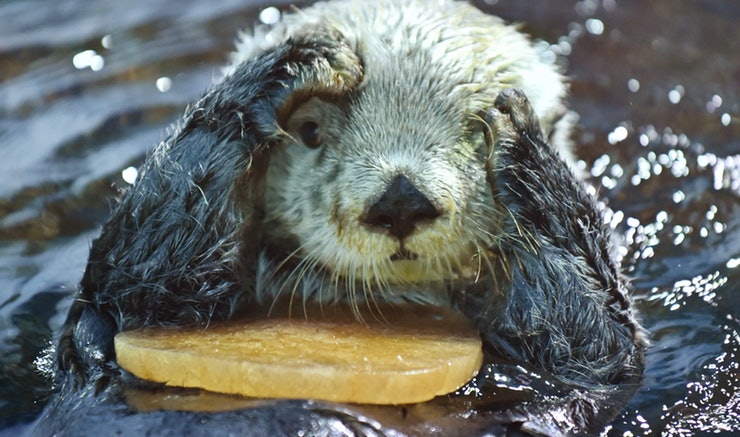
{"points": [[323, 62], [515, 104], [512, 116]]}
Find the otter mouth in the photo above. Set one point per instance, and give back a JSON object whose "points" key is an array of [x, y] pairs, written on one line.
{"points": [[404, 254]]}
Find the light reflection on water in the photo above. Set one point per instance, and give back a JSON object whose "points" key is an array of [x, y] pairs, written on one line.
{"points": [[87, 91]]}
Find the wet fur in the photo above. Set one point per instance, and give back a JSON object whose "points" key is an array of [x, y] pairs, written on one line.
{"points": [[567, 307], [186, 245], [197, 203]]}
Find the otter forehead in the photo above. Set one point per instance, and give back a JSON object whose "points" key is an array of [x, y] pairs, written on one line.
{"points": [[403, 113], [442, 47]]}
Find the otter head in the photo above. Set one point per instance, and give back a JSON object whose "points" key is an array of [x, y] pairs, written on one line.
{"points": [[383, 189], [387, 187]]}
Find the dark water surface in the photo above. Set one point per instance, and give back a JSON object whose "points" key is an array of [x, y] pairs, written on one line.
{"points": [[88, 87]]}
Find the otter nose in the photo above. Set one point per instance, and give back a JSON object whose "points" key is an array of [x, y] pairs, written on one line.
{"points": [[400, 208]]}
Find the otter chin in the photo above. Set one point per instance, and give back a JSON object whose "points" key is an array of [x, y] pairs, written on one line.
{"points": [[356, 153]]}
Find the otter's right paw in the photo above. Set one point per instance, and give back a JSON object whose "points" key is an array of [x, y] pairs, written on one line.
{"points": [[262, 91], [321, 61]]}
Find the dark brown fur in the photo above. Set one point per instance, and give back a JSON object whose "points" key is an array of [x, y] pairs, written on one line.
{"points": [[181, 248]]}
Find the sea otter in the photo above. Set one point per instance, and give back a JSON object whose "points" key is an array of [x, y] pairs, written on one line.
{"points": [[361, 152]]}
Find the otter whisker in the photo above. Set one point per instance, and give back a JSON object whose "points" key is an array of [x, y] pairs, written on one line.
{"points": [[350, 290], [373, 298], [297, 276], [486, 256], [525, 234], [367, 286], [503, 260], [317, 284], [335, 279], [285, 260], [383, 285], [355, 303], [479, 269]]}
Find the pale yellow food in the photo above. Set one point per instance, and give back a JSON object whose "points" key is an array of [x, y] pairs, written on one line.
{"points": [[408, 355]]}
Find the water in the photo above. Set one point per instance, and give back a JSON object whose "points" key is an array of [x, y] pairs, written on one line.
{"points": [[87, 87]]}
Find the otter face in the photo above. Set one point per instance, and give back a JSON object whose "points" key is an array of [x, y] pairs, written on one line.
{"points": [[385, 186], [391, 205]]}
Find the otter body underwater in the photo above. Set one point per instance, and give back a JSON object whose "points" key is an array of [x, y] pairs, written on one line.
{"points": [[364, 152]]}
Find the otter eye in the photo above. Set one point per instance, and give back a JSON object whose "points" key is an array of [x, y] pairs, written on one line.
{"points": [[310, 133]]}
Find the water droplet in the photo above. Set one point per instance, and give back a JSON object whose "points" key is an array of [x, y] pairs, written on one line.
{"points": [[594, 26], [674, 96], [129, 174], [706, 160], [719, 174], [643, 168], [711, 212], [270, 15], [679, 196], [633, 85], [617, 135], [107, 41], [163, 84], [608, 183], [600, 165], [616, 218], [88, 59], [726, 119]]}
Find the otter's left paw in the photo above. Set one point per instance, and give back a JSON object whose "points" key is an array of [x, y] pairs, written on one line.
{"points": [[511, 117], [528, 175]]}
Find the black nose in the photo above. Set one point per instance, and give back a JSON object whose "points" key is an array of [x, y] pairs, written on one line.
{"points": [[401, 207]]}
